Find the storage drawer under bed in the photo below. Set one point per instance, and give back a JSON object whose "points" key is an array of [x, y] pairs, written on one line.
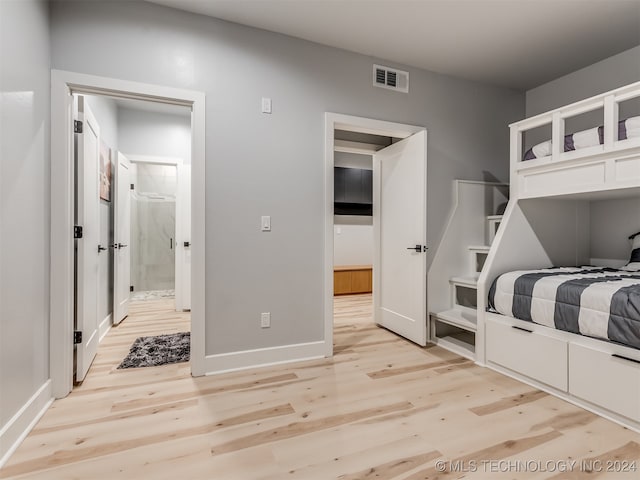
{"points": [[528, 352], [605, 380]]}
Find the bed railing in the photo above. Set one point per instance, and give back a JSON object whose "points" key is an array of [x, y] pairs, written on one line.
{"points": [[608, 102]]}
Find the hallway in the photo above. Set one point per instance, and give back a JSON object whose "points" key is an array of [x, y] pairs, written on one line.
{"points": [[146, 318]]}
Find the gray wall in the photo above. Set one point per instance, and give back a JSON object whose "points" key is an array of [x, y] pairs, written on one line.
{"points": [[612, 221], [610, 73], [24, 197], [106, 113], [154, 133], [261, 164], [352, 244]]}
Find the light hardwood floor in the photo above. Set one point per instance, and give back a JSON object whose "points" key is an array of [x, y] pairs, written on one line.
{"points": [[380, 408]]}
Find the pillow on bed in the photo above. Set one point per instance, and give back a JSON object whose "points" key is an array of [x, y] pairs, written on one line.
{"points": [[627, 128], [634, 262], [631, 127], [538, 151]]}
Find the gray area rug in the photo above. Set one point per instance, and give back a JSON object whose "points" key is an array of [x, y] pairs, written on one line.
{"points": [[158, 350]]}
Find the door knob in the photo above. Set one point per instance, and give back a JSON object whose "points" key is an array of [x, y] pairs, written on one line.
{"points": [[187, 244], [418, 248], [101, 248], [122, 245]]}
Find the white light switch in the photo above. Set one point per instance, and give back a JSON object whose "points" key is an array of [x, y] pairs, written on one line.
{"points": [[266, 223], [265, 320], [338, 231], [266, 105]]}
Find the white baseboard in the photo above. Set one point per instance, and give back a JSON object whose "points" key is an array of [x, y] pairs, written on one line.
{"points": [[16, 429], [262, 357], [104, 326]]}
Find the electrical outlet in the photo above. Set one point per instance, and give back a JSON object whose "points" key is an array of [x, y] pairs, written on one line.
{"points": [[265, 320]]}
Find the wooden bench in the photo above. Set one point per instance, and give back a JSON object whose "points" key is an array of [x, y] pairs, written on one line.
{"points": [[350, 279]]}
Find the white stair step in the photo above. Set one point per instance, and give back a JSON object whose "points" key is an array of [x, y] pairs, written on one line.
{"points": [[494, 223], [457, 343], [468, 281], [464, 318]]}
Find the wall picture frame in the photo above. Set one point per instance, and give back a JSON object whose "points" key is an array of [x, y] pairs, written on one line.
{"points": [[105, 172]]}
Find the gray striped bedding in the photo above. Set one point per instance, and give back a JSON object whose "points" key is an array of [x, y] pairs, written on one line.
{"points": [[593, 301]]}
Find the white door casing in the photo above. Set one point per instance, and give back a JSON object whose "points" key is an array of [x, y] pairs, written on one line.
{"points": [[182, 243], [339, 121], [63, 85], [183, 247], [400, 229], [87, 216], [122, 239]]}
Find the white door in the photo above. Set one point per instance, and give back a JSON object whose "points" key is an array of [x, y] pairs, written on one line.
{"points": [[87, 216], [122, 239], [400, 233]]}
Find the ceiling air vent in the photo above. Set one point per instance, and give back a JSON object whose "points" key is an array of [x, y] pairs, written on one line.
{"points": [[390, 78]]}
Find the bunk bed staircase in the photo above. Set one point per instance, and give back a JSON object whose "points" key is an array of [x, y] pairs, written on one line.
{"points": [[455, 328], [453, 322]]}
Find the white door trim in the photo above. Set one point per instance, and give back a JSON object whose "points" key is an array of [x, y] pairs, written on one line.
{"points": [[354, 124], [63, 85], [181, 188]]}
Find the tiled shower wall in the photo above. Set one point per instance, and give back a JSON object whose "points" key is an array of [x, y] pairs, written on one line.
{"points": [[153, 221]]}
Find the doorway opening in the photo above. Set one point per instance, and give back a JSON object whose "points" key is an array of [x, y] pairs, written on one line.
{"points": [[353, 227], [153, 232], [370, 167], [77, 222], [160, 229], [132, 210]]}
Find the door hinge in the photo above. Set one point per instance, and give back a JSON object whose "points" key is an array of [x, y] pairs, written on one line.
{"points": [[133, 186], [77, 126], [131, 288], [77, 231], [77, 337]]}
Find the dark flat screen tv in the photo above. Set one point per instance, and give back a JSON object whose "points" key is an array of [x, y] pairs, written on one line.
{"points": [[353, 191]]}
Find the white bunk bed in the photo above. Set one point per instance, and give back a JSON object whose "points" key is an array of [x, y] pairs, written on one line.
{"points": [[613, 165], [547, 224]]}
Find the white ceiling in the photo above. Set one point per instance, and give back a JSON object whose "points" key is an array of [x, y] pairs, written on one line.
{"points": [[513, 43]]}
